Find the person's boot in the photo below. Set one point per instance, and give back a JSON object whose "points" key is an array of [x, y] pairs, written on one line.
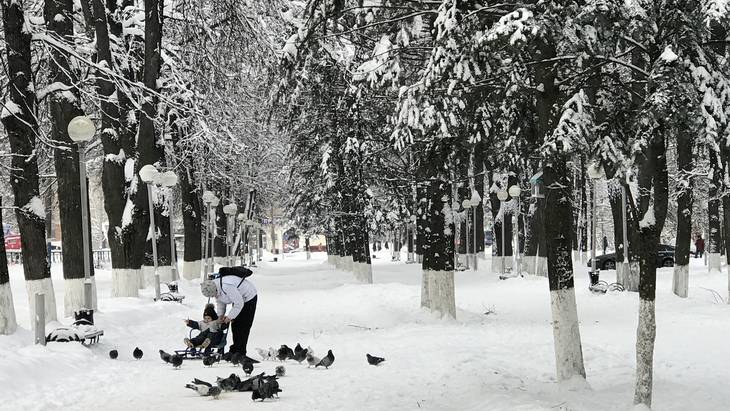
{"points": [[188, 343], [205, 343]]}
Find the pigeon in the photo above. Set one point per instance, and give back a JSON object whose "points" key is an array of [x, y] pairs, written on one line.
{"points": [[310, 350], [210, 360], [298, 349], [312, 360], [165, 356], [247, 367], [267, 388], [137, 353], [228, 384], [113, 354], [301, 355], [374, 360], [285, 353], [176, 361], [280, 371], [263, 354], [251, 383], [273, 352], [236, 358], [327, 360], [204, 389]]}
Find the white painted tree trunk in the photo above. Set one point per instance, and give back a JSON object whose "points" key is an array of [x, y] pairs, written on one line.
{"points": [[528, 264], [566, 334], [576, 255], [541, 269], [645, 336], [583, 256], [192, 269], [425, 289], [125, 282], [347, 263], [73, 295], [339, 262], [680, 281], [441, 293], [367, 273], [714, 260], [44, 286], [8, 323], [632, 282], [165, 272]]}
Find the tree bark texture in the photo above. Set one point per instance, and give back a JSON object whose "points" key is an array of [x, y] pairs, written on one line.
{"points": [[21, 127], [685, 199]]}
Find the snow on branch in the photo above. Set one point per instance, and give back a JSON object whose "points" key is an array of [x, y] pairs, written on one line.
{"points": [[573, 128]]}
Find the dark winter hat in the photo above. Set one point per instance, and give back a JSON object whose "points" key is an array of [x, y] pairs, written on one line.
{"points": [[209, 311]]}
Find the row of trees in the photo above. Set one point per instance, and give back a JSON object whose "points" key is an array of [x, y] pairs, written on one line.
{"points": [[397, 111], [178, 84]]}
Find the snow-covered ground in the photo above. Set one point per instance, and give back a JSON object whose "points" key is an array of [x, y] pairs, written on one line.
{"points": [[498, 354]]}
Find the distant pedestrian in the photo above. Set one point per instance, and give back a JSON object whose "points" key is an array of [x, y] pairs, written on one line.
{"points": [[699, 246], [605, 244]]}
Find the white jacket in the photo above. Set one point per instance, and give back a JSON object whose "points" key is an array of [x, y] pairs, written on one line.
{"points": [[231, 290]]}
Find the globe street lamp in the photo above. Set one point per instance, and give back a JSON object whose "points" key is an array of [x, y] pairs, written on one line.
{"points": [[242, 237], [81, 129], [475, 201], [595, 172], [502, 196], [169, 179], [466, 203], [515, 192], [213, 230], [230, 211], [149, 175]]}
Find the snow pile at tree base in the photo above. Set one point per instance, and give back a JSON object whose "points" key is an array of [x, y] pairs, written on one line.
{"points": [[44, 286], [73, 297], [680, 281], [125, 282], [191, 269]]}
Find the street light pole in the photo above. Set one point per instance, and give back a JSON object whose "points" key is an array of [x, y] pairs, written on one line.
{"points": [[595, 172], [475, 200], [230, 211], [81, 129], [515, 192], [626, 266], [502, 196], [169, 179], [466, 203], [149, 175]]}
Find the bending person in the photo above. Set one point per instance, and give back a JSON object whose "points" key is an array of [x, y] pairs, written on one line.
{"points": [[241, 294]]}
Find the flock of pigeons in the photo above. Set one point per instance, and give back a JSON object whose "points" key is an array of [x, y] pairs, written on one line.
{"points": [[261, 386]]}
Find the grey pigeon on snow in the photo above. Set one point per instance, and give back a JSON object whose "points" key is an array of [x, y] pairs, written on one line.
{"points": [[228, 384], [247, 367], [268, 387], [236, 358], [165, 356], [176, 361], [204, 389], [298, 349], [137, 353], [301, 355], [372, 360], [209, 360], [327, 361], [312, 360], [285, 353], [280, 371], [113, 354]]}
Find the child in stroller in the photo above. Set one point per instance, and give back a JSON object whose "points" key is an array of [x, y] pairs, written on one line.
{"points": [[211, 330]]}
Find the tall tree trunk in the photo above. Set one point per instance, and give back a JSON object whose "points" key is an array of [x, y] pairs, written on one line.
{"points": [[501, 220], [19, 118], [653, 172], [192, 213], [438, 258], [64, 105], [714, 239], [421, 222], [583, 188], [684, 187], [149, 149], [478, 165], [463, 192], [116, 153], [8, 324]]}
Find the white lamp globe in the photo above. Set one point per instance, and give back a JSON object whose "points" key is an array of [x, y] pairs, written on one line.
{"points": [[81, 129], [168, 179], [208, 196], [215, 201], [502, 195], [230, 209], [475, 198], [148, 173], [515, 191], [240, 217], [466, 203]]}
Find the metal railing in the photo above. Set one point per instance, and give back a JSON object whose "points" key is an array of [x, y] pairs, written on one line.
{"points": [[101, 257]]}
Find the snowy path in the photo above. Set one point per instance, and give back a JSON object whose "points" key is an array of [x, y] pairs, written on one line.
{"points": [[500, 361]]}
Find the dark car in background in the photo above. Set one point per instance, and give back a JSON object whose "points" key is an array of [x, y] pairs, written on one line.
{"points": [[664, 258]]}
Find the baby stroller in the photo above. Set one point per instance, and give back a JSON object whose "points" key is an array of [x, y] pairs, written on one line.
{"points": [[194, 353]]}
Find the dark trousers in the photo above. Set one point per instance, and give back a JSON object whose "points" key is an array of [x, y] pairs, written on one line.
{"points": [[241, 326], [215, 338]]}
